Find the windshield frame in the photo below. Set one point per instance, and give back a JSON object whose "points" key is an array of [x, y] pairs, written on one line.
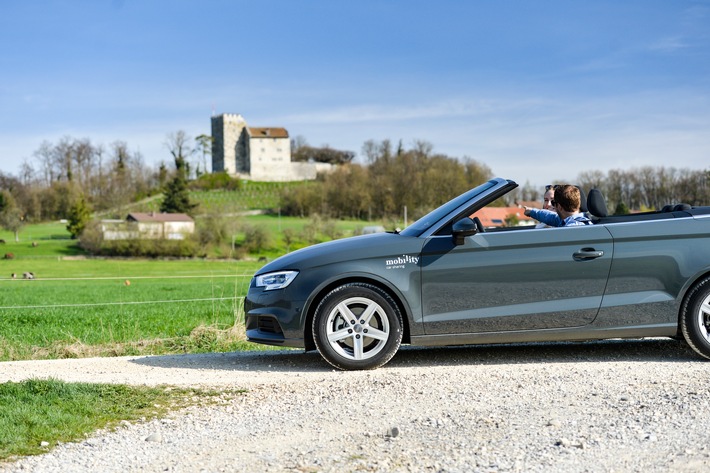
{"points": [[428, 223]]}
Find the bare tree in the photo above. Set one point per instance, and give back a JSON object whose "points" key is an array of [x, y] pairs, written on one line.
{"points": [[204, 147], [178, 143]]}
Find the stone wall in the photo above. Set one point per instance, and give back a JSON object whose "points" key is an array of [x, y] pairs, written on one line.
{"points": [[226, 131]]}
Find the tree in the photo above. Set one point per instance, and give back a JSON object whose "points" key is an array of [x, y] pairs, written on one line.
{"points": [[78, 217], [11, 218], [204, 147], [178, 144], [325, 154], [512, 220], [176, 195]]}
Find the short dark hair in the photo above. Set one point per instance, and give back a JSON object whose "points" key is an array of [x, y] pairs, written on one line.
{"points": [[568, 197]]}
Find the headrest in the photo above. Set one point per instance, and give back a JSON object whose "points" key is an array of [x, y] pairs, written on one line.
{"points": [[596, 204], [681, 207], [582, 200]]}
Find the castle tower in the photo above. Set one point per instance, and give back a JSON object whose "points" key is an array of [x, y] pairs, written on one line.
{"points": [[228, 154]]}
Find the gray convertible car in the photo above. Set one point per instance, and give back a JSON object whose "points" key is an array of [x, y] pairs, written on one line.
{"points": [[447, 280]]}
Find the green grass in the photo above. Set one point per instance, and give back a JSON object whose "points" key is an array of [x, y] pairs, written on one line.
{"points": [[90, 307], [40, 240], [37, 414], [79, 306], [251, 196], [307, 231]]}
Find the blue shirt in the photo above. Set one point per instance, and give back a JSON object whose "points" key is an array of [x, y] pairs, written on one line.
{"points": [[552, 219]]}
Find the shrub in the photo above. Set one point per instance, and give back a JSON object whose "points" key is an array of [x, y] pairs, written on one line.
{"points": [[217, 180], [92, 237], [256, 238], [150, 248]]}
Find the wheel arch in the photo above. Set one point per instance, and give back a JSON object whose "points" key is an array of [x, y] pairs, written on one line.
{"points": [[320, 293], [688, 292]]}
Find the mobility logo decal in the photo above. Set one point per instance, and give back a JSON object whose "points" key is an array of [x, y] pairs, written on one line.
{"points": [[400, 262]]}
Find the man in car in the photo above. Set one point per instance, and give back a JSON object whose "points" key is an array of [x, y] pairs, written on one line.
{"points": [[566, 211]]}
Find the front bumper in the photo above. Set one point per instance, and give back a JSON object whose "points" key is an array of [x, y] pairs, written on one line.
{"points": [[273, 319]]}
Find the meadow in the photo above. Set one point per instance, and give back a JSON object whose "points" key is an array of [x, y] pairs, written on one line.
{"points": [[78, 306], [90, 307]]}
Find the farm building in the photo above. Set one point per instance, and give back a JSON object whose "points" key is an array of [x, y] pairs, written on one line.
{"points": [[149, 226]]}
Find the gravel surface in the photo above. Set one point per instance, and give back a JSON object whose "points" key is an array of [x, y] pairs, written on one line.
{"points": [[596, 407]]}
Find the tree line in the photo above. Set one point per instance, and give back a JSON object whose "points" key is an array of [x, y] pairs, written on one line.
{"points": [[390, 181], [638, 189], [73, 178], [59, 174], [649, 188]]}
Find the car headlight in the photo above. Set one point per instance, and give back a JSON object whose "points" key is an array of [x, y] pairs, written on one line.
{"points": [[277, 280]]}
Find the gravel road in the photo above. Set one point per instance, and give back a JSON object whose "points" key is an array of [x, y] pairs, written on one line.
{"points": [[597, 407]]}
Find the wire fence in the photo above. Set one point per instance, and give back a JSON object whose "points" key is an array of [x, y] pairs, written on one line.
{"points": [[236, 294]]}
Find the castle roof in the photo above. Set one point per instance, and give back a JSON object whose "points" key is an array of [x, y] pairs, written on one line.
{"points": [[268, 132]]}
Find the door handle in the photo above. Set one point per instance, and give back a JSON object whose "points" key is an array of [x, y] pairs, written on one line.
{"points": [[586, 254]]}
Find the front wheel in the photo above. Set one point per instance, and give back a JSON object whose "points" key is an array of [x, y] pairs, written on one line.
{"points": [[357, 326], [695, 318]]}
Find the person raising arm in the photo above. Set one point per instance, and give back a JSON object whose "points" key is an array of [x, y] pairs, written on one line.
{"points": [[566, 211]]}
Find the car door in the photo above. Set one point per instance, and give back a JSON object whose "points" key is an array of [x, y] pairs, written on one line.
{"points": [[519, 279]]}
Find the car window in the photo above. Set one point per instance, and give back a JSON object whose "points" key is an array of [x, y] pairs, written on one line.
{"points": [[418, 227]]}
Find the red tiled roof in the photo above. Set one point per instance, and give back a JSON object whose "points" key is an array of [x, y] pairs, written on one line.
{"points": [[495, 216], [268, 132], [530, 203]]}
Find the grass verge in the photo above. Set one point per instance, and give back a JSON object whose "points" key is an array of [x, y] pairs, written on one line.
{"points": [[36, 415], [88, 307]]}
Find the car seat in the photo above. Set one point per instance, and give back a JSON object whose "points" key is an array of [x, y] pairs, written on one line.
{"points": [[596, 204]]}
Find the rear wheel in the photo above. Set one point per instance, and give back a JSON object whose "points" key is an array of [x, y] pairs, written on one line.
{"points": [[357, 326], [695, 318]]}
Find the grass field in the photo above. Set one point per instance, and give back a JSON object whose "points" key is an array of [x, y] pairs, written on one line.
{"points": [[80, 306], [251, 196], [36, 415]]}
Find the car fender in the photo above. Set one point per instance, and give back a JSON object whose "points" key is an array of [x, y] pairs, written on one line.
{"points": [[412, 322]]}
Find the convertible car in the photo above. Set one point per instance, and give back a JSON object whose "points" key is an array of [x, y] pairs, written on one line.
{"points": [[447, 280]]}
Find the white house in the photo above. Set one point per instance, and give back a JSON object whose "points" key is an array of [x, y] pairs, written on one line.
{"points": [[149, 226]]}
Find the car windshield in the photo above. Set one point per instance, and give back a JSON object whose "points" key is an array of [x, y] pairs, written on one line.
{"points": [[418, 227]]}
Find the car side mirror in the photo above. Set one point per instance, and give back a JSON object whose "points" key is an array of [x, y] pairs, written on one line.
{"points": [[462, 229]]}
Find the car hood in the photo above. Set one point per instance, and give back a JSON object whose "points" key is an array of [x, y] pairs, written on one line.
{"points": [[347, 249]]}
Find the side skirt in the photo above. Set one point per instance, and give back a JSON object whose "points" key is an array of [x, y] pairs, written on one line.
{"points": [[547, 335]]}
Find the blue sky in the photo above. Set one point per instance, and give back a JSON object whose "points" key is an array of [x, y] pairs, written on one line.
{"points": [[536, 90]]}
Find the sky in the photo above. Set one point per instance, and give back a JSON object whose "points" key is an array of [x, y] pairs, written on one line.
{"points": [[538, 91]]}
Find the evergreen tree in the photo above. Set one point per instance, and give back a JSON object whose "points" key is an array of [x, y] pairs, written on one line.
{"points": [[176, 197], [79, 216]]}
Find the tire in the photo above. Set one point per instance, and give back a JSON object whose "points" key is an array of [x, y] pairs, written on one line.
{"points": [[695, 318], [357, 326]]}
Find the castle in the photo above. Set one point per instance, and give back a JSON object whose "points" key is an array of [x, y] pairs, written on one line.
{"points": [[258, 154]]}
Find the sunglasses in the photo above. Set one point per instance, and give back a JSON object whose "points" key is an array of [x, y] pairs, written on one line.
{"points": [[551, 186]]}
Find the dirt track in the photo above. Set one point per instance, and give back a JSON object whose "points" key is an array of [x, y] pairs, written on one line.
{"points": [[608, 406]]}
